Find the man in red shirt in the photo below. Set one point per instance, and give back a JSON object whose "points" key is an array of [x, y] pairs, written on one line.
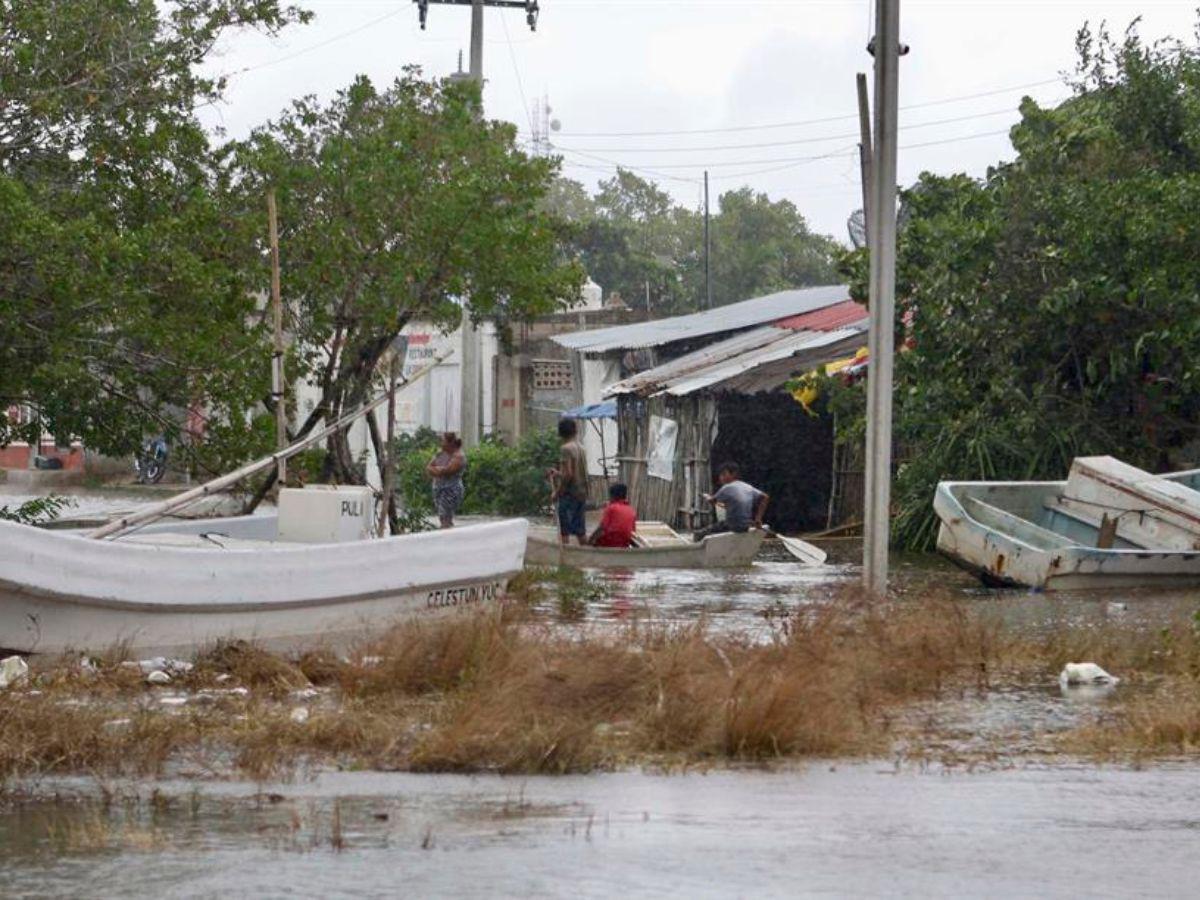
{"points": [[618, 523]]}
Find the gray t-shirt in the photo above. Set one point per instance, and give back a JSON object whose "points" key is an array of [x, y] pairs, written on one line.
{"points": [[740, 501]]}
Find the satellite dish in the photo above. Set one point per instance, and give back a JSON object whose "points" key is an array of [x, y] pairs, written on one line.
{"points": [[857, 226]]}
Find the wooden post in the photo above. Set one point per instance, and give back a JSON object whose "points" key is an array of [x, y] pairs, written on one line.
{"points": [[864, 149], [278, 394]]}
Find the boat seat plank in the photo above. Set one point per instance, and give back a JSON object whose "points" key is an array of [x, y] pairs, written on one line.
{"points": [[1014, 526], [1069, 508]]}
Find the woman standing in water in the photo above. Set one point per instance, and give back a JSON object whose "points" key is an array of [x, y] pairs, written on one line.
{"points": [[446, 470]]}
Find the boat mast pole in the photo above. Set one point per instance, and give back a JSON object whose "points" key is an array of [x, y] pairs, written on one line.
{"points": [[277, 390], [158, 510], [882, 237]]}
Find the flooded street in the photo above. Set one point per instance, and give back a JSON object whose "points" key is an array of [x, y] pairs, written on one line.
{"points": [[824, 830], [974, 799]]}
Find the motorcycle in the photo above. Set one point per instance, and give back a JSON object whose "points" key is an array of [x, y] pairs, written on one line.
{"points": [[151, 463]]}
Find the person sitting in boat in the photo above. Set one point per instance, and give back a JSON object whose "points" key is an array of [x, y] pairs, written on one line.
{"points": [[745, 505], [619, 522], [570, 484], [446, 469]]}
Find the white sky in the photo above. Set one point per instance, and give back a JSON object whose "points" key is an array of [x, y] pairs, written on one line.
{"points": [[669, 65]]}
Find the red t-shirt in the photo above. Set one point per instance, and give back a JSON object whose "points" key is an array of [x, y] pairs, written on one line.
{"points": [[617, 525]]}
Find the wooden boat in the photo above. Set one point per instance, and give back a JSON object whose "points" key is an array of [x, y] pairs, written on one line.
{"points": [[175, 586], [1108, 525], [660, 547]]}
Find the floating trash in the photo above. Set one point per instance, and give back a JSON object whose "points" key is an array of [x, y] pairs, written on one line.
{"points": [[12, 670], [1085, 673]]}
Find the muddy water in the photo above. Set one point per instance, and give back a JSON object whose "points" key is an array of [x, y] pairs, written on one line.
{"points": [[828, 830]]}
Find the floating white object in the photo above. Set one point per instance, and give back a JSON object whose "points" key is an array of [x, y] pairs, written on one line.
{"points": [[158, 676], [300, 715], [1075, 674], [12, 670]]}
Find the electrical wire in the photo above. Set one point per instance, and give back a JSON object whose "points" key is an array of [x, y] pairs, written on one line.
{"points": [[804, 122]]}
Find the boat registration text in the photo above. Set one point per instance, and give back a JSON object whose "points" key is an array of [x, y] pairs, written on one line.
{"points": [[464, 596]]}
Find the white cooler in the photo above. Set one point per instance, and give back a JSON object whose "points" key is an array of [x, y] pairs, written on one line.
{"points": [[324, 514]]}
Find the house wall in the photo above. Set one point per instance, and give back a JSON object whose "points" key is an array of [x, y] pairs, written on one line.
{"points": [[677, 501]]}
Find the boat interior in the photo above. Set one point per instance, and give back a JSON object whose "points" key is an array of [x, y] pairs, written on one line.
{"points": [[1103, 504]]}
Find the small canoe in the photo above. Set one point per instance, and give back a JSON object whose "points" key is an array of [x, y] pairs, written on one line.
{"points": [[174, 587], [1108, 525], [661, 548]]}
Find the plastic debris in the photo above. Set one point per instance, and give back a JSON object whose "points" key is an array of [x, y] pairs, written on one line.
{"points": [[158, 676], [173, 700], [1086, 673], [86, 666], [12, 670], [162, 664], [300, 715]]}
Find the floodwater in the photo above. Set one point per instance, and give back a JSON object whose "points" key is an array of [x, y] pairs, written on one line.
{"points": [[829, 829], [1011, 828]]}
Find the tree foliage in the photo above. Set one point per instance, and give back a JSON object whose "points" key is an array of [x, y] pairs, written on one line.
{"points": [[1055, 303], [126, 284], [635, 241], [399, 205]]}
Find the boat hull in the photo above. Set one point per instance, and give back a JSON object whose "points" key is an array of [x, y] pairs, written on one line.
{"points": [[60, 592], [1025, 543], [719, 551]]}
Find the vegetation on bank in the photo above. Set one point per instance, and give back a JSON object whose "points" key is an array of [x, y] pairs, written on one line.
{"points": [[1052, 307], [500, 479], [509, 691]]}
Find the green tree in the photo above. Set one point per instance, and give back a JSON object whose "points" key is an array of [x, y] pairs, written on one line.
{"points": [[126, 283], [395, 204]]}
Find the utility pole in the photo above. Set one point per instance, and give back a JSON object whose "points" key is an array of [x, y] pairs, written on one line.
{"points": [[471, 386], [882, 231], [278, 395], [707, 248]]}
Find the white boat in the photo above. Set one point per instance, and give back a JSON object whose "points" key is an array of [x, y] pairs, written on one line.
{"points": [[1108, 525], [173, 587], [660, 547]]}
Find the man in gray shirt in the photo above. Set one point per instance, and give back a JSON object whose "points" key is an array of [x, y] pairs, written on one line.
{"points": [[745, 505]]}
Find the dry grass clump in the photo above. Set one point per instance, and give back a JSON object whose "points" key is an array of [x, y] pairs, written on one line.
{"points": [[38, 738], [250, 665], [1167, 723], [491, 692], [543, 702]]}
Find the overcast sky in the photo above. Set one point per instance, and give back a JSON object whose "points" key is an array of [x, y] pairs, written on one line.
{"points": [[614, 67]]}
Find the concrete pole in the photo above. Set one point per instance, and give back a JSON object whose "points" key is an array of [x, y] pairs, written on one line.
{"points": [[470, 387], [882, 229]]}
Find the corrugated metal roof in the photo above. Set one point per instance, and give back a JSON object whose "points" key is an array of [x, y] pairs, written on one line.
{"points": [[735, 364], [653, 379], [733, 317], [838, 315]]}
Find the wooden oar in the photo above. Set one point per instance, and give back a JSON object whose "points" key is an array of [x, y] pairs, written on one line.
{"points": [[803, 550]]}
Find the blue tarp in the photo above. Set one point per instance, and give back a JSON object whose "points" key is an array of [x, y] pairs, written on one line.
{"points": [[605, 410]]}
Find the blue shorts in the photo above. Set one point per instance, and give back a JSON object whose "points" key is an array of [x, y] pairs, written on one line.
{"points": [[571, 519]]}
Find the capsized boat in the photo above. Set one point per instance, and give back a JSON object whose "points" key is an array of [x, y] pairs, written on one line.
{"points": [[173, 587], [659, 547], [1108, 525]]}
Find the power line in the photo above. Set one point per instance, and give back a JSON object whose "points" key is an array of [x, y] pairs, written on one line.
{"points": [[779, 164], [809, 140], [796, 124]]}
